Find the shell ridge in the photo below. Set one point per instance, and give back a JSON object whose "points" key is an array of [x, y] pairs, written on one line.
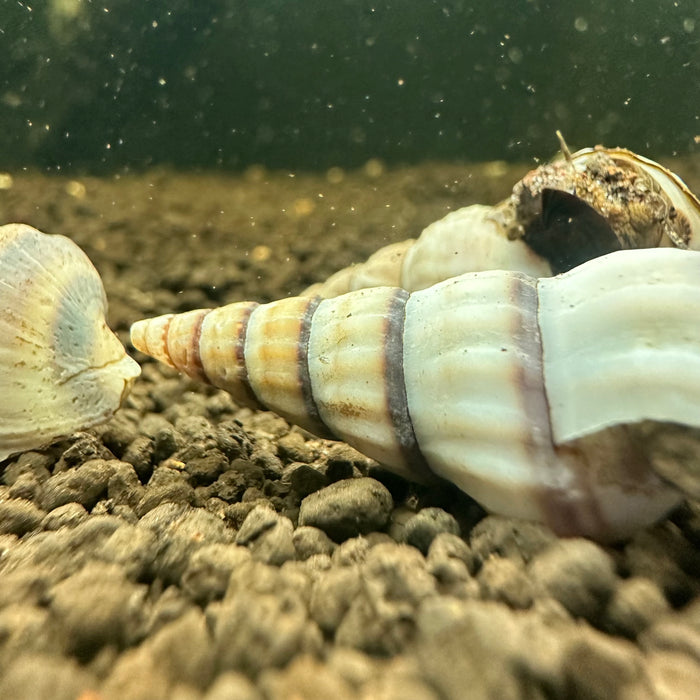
{"points": [[305, 383], [242, 375], [395, 391]]}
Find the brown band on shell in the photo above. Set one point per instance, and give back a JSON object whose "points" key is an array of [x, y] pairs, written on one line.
{"points": [[249, 395], [316, 424], [395, 388], [164, 341], [194, 355], [183, 347], [559, 510]]}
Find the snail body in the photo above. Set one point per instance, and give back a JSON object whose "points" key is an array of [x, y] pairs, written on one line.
{"points": [[61, 368], [523, 392]]}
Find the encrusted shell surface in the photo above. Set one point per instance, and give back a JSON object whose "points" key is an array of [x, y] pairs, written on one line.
{"points": [[61, 368], [522, 391]]}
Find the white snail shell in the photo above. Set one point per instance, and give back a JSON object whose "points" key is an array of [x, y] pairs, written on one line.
{"points": [[626, 200], [542, 397], [61, 368], [517, 390]]}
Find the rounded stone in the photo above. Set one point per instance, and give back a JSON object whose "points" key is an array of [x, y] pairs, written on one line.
{"points": [[348, 508]]}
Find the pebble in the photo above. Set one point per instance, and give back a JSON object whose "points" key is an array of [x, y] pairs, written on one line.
{"points": [[84, 447], [255, 631], [468, 648], [504, 580], [230, 485], [97, 607], [140, 454], [578, 574], [332, 595], [19, 516], [305, 677], [342, 461], [35, 464], [232, 686], [635, 604], [166, 442], [394, 581], [180, 531], [348, 508], [209, 570], [352, 551], [203, 465], [121, 430], [267, 535], [40, 677], [27, 486], [69, 515], [426, 525], [597, 666], [666, 676], [85, 484], [304, 479], [183, 651], [509, 538], [133, 548], [27, 628], [293, 447], [124, 486], [165, 485], [310, 541], [673, 633], [662, 555]]}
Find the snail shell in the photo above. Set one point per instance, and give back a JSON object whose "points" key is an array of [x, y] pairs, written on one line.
{"points": [[61, 368], [523, 392], [559, 215]]}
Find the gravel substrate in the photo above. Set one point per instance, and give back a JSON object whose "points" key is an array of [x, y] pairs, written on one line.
{"points": [[193, 550]]}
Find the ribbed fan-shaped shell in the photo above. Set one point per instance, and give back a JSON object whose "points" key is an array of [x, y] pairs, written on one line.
{"points": [[61, 368], [516, 389]]}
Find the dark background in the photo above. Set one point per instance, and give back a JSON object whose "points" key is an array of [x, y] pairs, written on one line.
{"points": [[116, 85]]}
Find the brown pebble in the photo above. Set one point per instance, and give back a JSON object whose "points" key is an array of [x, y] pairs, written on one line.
{"points": [[96, 607], [347, 508], [267, 535], [635, 604], [577, 573], [502, 579], [19, 516]]}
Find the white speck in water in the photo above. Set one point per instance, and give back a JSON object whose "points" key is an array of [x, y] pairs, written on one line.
{"points": [[581, 24], [515, 54]]}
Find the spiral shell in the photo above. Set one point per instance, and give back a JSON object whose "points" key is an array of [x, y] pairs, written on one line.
{"points": [[559, 215], [61, 368], [524, 392]]}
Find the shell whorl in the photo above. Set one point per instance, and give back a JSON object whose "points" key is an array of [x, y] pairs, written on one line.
{"points": [[477, 379]]}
